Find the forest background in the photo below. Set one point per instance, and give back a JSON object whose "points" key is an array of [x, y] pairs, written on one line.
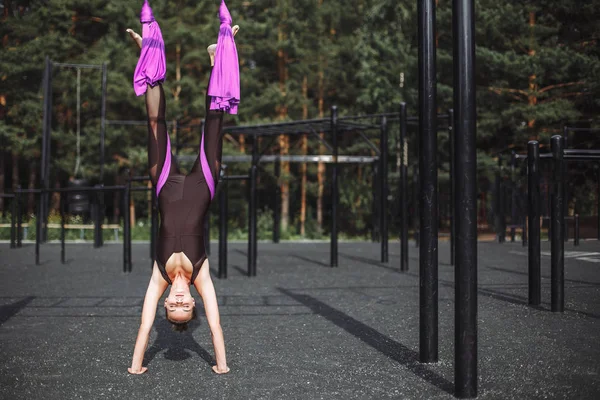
{"points": [[537, 69]]}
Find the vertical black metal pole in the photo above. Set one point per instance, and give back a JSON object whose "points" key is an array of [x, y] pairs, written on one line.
{"points": [[376, 232], [125, 226], [576, 233], [499, 212], [38, 227], [565, 195], [533, 191], [277, 202], [45, 110], [252, 214], [557, 221], [416, 218], [13, 223], [153, 225], [428, 193], [598, 201], [207, 234], [45, 162], [223, 231], [403, 189], [97, 220], [513, 196], [334, 189], [46, 202], [62, 228], [128, 221], [19, 217], [383, 148], [451, 133], [465, 273], [103, 122]]}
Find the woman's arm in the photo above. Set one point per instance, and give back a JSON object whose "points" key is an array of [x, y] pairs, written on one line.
{"points": [[205, 288], [156, 288]]}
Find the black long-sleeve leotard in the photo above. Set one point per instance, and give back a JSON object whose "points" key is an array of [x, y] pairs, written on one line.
{"points": [[183, 200]]}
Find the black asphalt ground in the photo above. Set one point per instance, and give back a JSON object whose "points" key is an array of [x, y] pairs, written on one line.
{"points": [[300, 330]]}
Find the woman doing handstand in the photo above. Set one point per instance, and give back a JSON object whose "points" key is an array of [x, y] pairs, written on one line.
{"points": [[183, 200]]}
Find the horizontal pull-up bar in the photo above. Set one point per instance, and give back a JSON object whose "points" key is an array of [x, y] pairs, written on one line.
{"points": [[81, 66], [142, 123], [234, 178], [589, 130], [71, 189], [570, 155], [328, 159]]}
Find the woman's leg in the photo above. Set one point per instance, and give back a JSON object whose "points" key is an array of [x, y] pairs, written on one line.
{"points": [[157, 130]]}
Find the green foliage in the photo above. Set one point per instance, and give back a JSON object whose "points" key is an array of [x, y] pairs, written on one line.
{"points": [[537, 69]]}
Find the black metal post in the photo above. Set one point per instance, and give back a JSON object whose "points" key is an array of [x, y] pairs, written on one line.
{"points": [[598, 201], [207, 234], [428, 193], [125, 218], [565, 195], [103, 121], [416, 218], [500, 230], [252, 210], [277, 202], [465, 276], [13, 223], [576, 233], [513, 196], [334, 189], [98, 217], [19, 217], [62, 228], [557, 221], [376, 232], [127, 225], [403, 189], [383, 159], [153, 225], [45, 161], [451, 133], [38, 228], [533, 191], [223, 231]]}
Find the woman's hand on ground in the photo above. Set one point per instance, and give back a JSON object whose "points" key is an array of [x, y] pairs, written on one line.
{"points": [[141, 371], [216, 370]]}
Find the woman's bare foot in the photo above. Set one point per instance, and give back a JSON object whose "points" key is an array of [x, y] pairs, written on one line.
{"points": [[213, 47], [211, 53], [137, 38], [218, 371]]}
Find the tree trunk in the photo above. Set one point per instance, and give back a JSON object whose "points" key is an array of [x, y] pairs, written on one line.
{"points": [[304, 153], [320, 166], [284, 142], [242, 141], [284, 146]]}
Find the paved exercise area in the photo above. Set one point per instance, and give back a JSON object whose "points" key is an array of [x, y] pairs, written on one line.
{"points": [[300, 330]]}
